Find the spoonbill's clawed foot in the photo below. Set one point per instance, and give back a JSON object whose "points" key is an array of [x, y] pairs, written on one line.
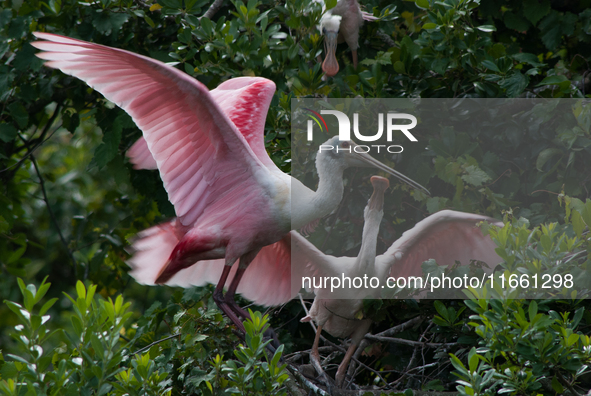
{"points": [[220, 301]]}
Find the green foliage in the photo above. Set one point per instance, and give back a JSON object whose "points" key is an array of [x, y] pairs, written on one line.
{"points": [[530, 347], [87, 358], [525, 348], [70, 201], [93, 356], [249, 375]]}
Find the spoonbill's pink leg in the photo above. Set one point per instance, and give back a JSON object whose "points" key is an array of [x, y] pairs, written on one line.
{"points": [[231, 303], [340, 376], [222, 303], [229, 297], [315, 360], [354, 53], [314, 354]]}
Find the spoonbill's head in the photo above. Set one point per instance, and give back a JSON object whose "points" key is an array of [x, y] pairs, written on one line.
{"points": [[329, 26], [336, 154]]}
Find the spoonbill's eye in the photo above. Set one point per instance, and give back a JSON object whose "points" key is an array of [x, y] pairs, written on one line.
{"points": [[345, 145], [323, 30]]}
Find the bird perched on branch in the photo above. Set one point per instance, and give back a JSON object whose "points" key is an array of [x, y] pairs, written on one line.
{"points": [[232, 202], [445, 236], [341, 24]]}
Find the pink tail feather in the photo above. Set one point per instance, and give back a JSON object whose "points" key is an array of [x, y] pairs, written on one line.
{"points": [[151, 250]]}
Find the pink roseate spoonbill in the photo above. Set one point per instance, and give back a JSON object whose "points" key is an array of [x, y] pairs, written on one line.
{"points": [[229, 197], [446, 236], [341, 24]]}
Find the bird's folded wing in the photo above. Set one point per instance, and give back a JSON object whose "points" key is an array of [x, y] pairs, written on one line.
{"points": [[200, 154], [445, 236]]}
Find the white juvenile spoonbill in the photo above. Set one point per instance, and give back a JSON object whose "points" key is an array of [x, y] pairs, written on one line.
{"points": [[341, 24], [230, 199], [445, 236]]}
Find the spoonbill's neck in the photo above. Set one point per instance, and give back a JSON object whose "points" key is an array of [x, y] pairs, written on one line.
{"points": [[367, 253], [308, 205]]}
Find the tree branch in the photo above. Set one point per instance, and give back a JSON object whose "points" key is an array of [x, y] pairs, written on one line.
{"points": [[51, 215], [215, 7]]}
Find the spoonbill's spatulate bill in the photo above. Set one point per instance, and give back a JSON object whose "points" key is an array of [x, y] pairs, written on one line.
{"points": [[230, 198], [445, 236], [341, 24]]}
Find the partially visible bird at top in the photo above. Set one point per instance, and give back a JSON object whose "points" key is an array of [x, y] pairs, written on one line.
{"points": [[445, 236], [341, 24], [232, 202]]}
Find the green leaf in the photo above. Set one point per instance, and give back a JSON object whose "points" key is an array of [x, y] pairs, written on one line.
{"points": [[524, 57], [552, 80], [330, 4], [475, 176], [578, 223], [105, 152], [424, 4], [399, 67], [473, 360], [545, 155], [19, 113], [441, 309], [490, 65], [515, 22], [535, 10], [71, 122], [487, 28], [80, 289], [440, 65], [557, 386], [515, 83], [533, 310], [7, 132], [47, 305]]}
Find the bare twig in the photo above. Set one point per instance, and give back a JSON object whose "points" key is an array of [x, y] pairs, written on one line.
{"points": [[51, 215], [304, 381], [409, 342], [401, 327], [139, 351]]}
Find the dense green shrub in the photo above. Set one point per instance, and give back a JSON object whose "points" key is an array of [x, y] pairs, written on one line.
{"points": [[70, 201]]}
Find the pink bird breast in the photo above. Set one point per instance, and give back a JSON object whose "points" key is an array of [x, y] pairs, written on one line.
{"points": [[209, 150]]}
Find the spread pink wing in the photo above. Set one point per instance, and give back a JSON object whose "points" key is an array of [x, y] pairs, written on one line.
{"points": [[245, 101], [200, 154], [309, 261], [267, 281], [445, 236], [140, 156]]}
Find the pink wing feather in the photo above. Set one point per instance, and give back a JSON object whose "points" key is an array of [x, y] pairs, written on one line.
{"points": [[445, 236], [245, 104], [267, 281], [140, 156], [183, 126]]}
